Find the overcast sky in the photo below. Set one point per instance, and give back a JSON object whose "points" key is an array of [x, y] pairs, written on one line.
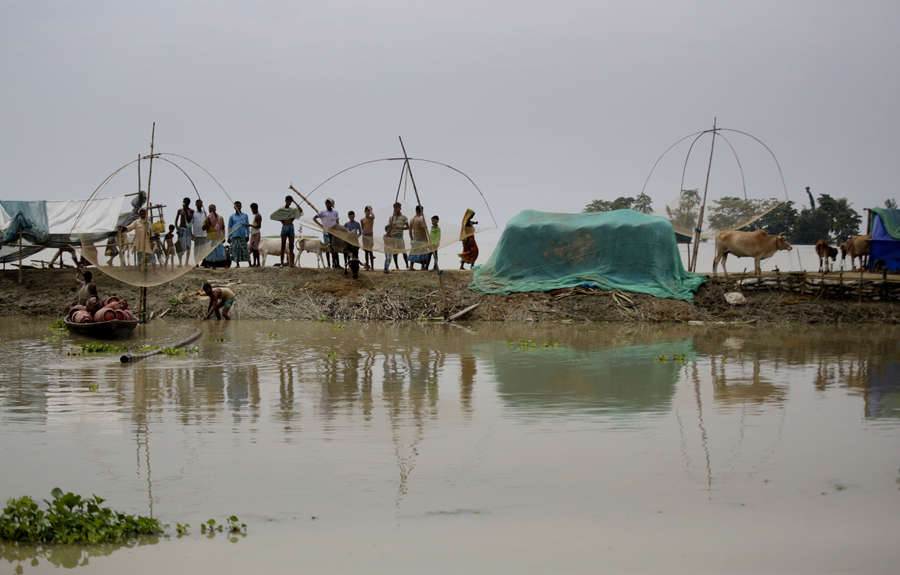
{"points": [[546, 105]]}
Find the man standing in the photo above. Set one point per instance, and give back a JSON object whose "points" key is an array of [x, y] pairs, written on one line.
{"points": [[197, 231], [398, 224], [368, 237], [255, 235], [328, 218], [287, 228], [238, 234], [352, 249], [183, 221], [418, 235]]}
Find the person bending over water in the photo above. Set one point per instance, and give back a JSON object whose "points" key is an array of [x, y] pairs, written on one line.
{"points": [[220, 300]]}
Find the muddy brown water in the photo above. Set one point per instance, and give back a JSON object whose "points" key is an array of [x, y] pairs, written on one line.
{"points": [[480, 448]]}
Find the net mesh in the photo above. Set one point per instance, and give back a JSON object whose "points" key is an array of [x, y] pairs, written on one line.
{"points": [[147, 249]]}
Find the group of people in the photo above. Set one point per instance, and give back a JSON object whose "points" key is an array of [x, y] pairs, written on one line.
{"points": [[200, 228]]}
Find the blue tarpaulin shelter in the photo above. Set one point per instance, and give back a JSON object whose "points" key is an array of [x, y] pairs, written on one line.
{"points": [[885, 248], [621, 250]]}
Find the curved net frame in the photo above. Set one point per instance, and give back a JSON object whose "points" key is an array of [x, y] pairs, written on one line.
{"points": [[143, 251], [450, 198], [728, 207]]}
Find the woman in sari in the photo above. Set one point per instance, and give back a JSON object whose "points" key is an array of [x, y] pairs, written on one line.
{"points": [[467, 235], [214, 225]]}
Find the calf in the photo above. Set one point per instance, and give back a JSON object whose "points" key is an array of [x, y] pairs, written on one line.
{"points": [[825, 252], [312, 246], [758, 245]]}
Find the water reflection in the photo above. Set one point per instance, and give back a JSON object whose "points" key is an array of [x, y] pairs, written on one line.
{"points": [[341, 407], [62, 556]]}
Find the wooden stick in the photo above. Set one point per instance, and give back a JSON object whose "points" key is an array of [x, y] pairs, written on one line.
{"points": [[304, 198], [693, 262], [132, 357], [409, 171]]}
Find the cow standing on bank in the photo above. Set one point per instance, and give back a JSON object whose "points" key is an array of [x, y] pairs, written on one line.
{"points": [[825, 252], [758, 245], [857, 247]]}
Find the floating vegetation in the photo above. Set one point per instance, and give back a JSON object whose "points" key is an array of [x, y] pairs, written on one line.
{"points": [[332, 355], [58, 325], [92, 387], [216, 340], [179, 351], [676, 358], [338, 325], [102, 347], [231, 525], [70, 518], [531, 345], [146, 347], [182, 529], [272, 335]]}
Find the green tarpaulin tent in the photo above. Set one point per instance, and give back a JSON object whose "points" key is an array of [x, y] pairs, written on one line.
{"points": [[623, 250]]}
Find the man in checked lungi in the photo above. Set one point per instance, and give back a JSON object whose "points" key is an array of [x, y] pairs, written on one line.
{"points": [[238, 234]]}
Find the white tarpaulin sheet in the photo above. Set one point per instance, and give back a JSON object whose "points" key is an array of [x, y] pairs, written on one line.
{"points": [[101, 216]]}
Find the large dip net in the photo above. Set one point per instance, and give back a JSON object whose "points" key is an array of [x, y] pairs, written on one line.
{"points": [[733, 201], [149, 243], [441, 189]]}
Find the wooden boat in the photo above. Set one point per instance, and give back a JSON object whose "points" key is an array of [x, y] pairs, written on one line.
{"points": [[112, 329]]}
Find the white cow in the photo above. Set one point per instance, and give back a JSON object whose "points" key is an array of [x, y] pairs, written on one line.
{"points": [[272, 246], [312, 246]]}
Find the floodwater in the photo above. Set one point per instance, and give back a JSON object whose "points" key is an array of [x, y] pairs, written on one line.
{"points": [[486, 448]]}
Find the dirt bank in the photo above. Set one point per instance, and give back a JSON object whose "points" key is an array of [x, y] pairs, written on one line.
{"points": [[273, 293]]}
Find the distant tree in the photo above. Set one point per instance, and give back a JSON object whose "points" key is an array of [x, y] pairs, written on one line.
{"points": [[780, 220], [843, 221], [641, 203], [810, 226], [731, 213], [684, 215], [890, 204]]}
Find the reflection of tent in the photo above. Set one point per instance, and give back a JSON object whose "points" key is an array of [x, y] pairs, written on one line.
{"points": [[883, 391], [622, 249], [885, 228], [618, 380], [55, 224]]}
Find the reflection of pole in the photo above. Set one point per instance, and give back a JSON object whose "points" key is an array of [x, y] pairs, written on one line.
{"points": [[20, 256], [693, 263]]}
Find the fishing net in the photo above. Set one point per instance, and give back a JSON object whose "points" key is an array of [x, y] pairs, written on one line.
{"points": [[441, 189], [730, 203], [147, 245]]}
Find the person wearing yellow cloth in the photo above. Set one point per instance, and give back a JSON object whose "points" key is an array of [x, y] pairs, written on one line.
{"points": [[467, 235]]}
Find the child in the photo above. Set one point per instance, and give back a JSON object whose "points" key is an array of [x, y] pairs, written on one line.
{"points": [[355, 229], [434, 238], [388, 248], [169, 247]]}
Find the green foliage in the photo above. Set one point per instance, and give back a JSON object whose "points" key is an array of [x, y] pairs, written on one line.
{"points": [[102, 347], [216, 340], [174, 301], [338, 325], [531, 345], [146, 347], [641, 203], [731, 213], [71, 518], [182, 529], [684, 215], [780, 220], [58, 325]]}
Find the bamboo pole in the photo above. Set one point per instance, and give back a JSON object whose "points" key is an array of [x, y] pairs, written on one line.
{"points": [[409, 171], [697, 230], [147, 219]]}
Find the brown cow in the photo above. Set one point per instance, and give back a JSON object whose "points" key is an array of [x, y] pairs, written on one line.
{"points": [[857, 247], [825, 252], [758, 245]]}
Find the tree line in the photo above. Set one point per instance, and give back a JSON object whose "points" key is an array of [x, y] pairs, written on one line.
{"points": [[827, 218]]}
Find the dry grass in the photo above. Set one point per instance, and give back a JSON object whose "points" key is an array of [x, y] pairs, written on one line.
{"points": [[273, 293]]}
